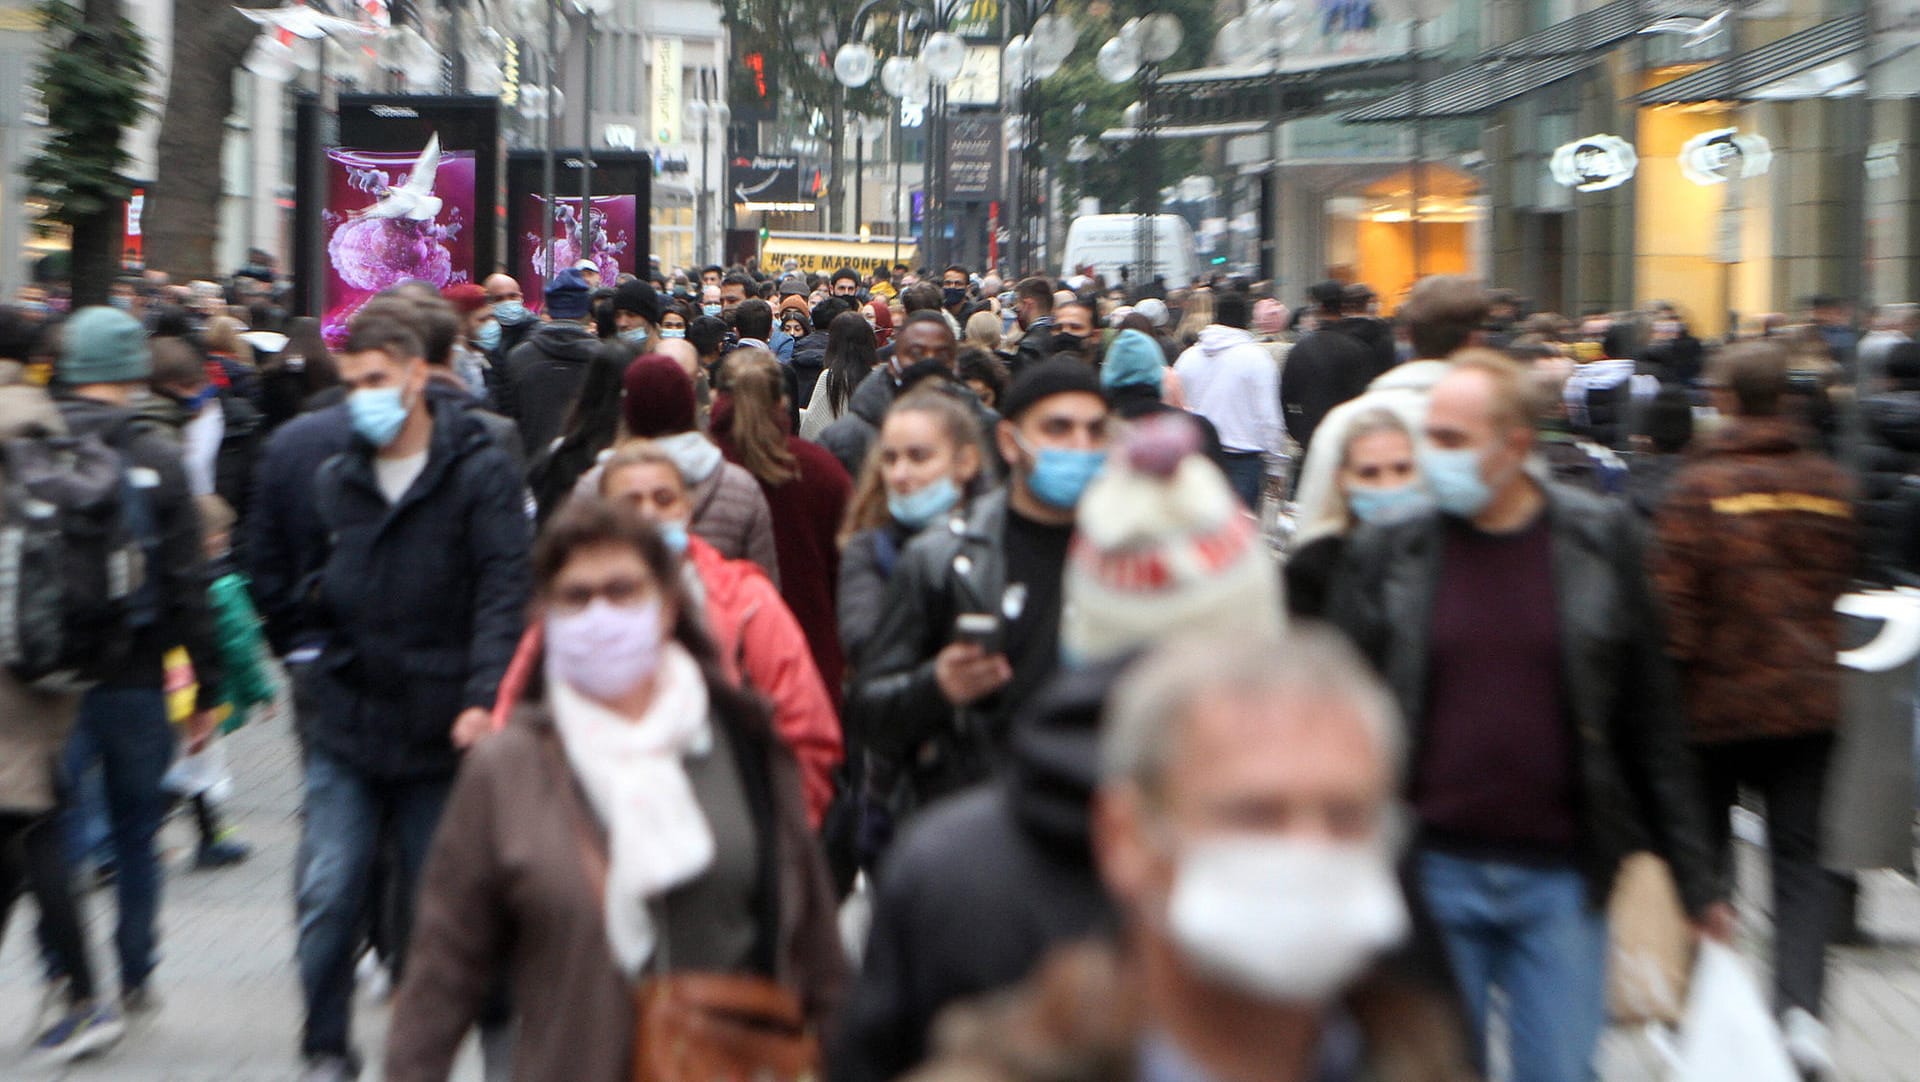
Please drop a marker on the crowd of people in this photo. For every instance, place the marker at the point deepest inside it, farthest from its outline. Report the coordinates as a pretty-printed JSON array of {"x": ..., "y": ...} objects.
[{"x": 1182, "y": 686}]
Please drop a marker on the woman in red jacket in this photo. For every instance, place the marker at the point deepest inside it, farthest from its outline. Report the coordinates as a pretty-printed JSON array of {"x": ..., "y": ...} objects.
[{"x": 806, "y": 488}]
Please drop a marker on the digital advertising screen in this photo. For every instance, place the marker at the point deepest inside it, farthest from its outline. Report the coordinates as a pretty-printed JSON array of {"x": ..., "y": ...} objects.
[{"x": 616, "y": 234}]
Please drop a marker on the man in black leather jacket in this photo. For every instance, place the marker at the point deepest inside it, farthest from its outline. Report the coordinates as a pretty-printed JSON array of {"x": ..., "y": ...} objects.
[{"x": 1518, "y": 629}]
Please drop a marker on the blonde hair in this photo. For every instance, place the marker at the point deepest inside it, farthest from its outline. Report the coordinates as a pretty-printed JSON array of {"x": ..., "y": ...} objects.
[
  {"x": 223, "y": 336},
  {"x": 983, "y": 330},
  {"x": 752, "y": 377},
  {"x": 868, "y": 508},
  {"x": 1197, "y": 315}
]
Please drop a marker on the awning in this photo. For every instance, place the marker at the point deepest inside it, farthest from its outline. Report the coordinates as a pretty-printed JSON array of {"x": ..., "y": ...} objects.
[
  {"x": 825, "y": 254},
  {"x": 1519, "y": 67},
  {"x": 1757, "y": 74}
]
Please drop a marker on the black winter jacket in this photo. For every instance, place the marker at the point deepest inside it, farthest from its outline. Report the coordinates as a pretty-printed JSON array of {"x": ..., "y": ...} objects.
[
  {"x": 809, "y": 360},
  {"x": 1638, "y": 786},
  {"x": 866, "y": 565},
  {"x": 543, "y": 376},
  {"x": 422, "y": 602},
  {"x": 179, "y": 570},
  {"x": 851, "y": 437},
  {"x": 1889, "y": 461},
  {"x": 982, "y": 886},
  {"x": 1324, "y": 369},
  {"x": 894, "y": 708}
]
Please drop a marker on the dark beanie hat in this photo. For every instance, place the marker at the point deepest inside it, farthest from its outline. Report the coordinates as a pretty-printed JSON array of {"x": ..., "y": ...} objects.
[
  {"x": 639, "y": 298},
  {"x": 567, "y": 295},
  {"x": 659, "y": 397},
  {"x": 1044, "y": 380}
]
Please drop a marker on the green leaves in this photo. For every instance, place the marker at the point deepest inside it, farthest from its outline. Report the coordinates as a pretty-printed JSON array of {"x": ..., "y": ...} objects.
[{"x": 93, "y": 82}]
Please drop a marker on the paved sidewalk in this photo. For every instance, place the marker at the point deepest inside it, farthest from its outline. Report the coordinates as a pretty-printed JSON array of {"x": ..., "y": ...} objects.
[{"x": 231, "y": 1008}]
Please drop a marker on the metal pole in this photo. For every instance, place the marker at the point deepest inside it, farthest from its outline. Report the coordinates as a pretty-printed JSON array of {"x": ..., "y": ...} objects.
[
  {"x": 1417, "y": 179},
  {"x": 586, "y": 146},
  {"x": 859, "y": 175},
  {"x": 899, "y": 147},
  {"x": 703, "y": 218},
  {"x": 546, "y": 157}
]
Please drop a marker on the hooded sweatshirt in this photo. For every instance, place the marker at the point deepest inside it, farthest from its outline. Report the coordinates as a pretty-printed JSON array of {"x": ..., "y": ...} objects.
[{"x": 1233, "y": 382}]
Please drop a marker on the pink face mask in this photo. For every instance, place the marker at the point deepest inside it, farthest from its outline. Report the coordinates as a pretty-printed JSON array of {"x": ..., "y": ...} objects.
[{"x": 604, "y": 650}]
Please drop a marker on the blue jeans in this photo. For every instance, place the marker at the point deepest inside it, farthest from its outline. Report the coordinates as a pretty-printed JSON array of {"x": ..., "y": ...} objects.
[
  {"x": 125, "y": 732},
  {"x": 346, "y": 815},
  {"x": 1529, "y": 932},
  {"x": 1246, "y": 474}
]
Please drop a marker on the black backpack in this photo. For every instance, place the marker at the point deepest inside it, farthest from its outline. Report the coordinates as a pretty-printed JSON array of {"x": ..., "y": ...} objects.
[{"x": 77, "y": 534}]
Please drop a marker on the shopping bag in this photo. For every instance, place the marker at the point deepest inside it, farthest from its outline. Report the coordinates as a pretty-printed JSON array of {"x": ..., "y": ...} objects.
[
  {"x": 1650, "y": 944},
  {"x": 203, "y": 773},
  {"x": 1728, "y": 1034},
  {"x": 1866, "y": 819}
]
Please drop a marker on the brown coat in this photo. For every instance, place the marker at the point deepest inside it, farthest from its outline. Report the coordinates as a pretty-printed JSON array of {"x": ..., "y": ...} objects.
[
  {"x": 1080, "y": 1019},
  {"x": 505, "y": 887},
  {"x": 1755, "y": 542}
]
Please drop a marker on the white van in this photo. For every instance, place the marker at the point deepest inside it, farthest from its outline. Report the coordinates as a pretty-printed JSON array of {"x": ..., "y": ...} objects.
[{"x": 1110, "y": 241}]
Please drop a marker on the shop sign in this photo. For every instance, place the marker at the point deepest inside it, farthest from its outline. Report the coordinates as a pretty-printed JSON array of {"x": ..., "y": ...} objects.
[
  {"x": 1715, "y": 157},
  {"x": 1594, "y": 164}
]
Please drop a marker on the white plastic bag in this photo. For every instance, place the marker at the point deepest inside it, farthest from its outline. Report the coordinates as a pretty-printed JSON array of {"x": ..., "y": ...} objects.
[
  {"x": 203, "y": 774},
  {"x": 1728, "y": 1034}
]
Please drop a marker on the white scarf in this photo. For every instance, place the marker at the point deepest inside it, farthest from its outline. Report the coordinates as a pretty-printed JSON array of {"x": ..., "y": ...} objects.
[
  {"x": 694, "y": 453},
  {"x": 657, "y": 836}
]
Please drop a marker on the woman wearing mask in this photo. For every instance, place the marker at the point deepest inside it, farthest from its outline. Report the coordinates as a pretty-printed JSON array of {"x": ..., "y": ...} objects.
[
  {"x": 639, "y": 824},
  {"x": 881, "y": 318},
  {"x": 852, "y": 352},
  {"x": 756, "y": 639},
  {"x": 925, "y": 467},
  {"x": 1378, "y": 480},
  {"x": 806, "y": 490}
]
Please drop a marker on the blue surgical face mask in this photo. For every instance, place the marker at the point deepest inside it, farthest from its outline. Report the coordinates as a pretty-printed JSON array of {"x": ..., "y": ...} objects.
[
  {"x": 915, "y": 509},
  {"x": 1454, "y": 478},
  {"x": 673, "y": 332},
  {"x": 636, "y": 335},
  {"x": 674, "y": 534},
  {"x": 511, "y": 313},
  {"x": 487, "y": 336},
  {"x": 378, "y": 414},
  {"x": 710, "y": 309},
  {"x": 1061, "y": 474},
  {"x": 1387, "y": 502}
]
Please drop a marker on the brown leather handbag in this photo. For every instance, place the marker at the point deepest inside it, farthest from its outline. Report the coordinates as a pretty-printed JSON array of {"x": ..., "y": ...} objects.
[{"x": 705, "y": 1027}]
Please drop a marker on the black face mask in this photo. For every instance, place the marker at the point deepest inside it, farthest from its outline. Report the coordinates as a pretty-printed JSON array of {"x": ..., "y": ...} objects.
[
  {"x": 1062, "y": 342},
  {"x": 954, "y": 295},
  {"x": 918, "y": 372}
]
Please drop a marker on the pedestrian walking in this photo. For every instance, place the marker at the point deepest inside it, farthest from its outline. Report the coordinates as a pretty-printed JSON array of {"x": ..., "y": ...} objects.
[
  {"x": 638, "y": 828},
  {"x": 1756, "y": 542},
  {"x": 1233, "y": 382}
]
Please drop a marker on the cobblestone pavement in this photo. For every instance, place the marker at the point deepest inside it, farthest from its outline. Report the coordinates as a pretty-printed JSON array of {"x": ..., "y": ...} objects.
[{"x": 231, "y": 1006}]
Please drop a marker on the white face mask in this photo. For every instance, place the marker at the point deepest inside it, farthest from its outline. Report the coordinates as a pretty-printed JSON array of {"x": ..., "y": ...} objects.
[{"x": 1283, "y": 918}]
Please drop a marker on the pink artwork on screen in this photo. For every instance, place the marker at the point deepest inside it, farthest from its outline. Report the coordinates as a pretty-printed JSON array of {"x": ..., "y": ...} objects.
[
  {"x": 394, "y": 217},
  {"x": 609, "y": 240}
]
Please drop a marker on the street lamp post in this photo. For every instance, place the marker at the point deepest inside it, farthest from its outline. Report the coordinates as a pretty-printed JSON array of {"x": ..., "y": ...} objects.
[
  {"x": 1266, "y": 31},
  {"x": 1138, "y": 50},
  {"x": 706, "y": 115},
  {"x": 1036, "y": 53}
]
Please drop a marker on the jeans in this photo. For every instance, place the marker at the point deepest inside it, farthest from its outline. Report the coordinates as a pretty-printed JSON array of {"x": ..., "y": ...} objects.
[
  {"x": 1790, "y": 774},
  {"x": 125, "y": 732},
  {"x": 346, "y": 814},
  {"x": 1246, "y": 474},
  {"x": 1529, "y": 932}
]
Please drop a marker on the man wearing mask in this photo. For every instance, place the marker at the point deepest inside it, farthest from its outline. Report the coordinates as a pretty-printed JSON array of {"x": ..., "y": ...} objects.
[
  {"x": 925, "y": 348},
  {"x": 1517, "y": 626},
  {"x": 846, "y": 283},
  {"x": 1244, "y": 826},
  {"x": 953, "y": 294},
  {"x": 543, "y": 374},
  {"x": 1033, "y": 311},
  {"x": 1233, "y": 382},
  {"x": 511, "y": 319},
  {"x": 636, "y": 312},
  {"x": 710, "y": 304},
  {"x": 1073, "y": 334},
  {"x": 971, "y": 627},
  {"x": 421, "y": 596}
]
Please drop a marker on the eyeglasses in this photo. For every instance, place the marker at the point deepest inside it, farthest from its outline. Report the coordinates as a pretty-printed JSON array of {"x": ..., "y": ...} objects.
[{"x": 620, "y": 593}]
